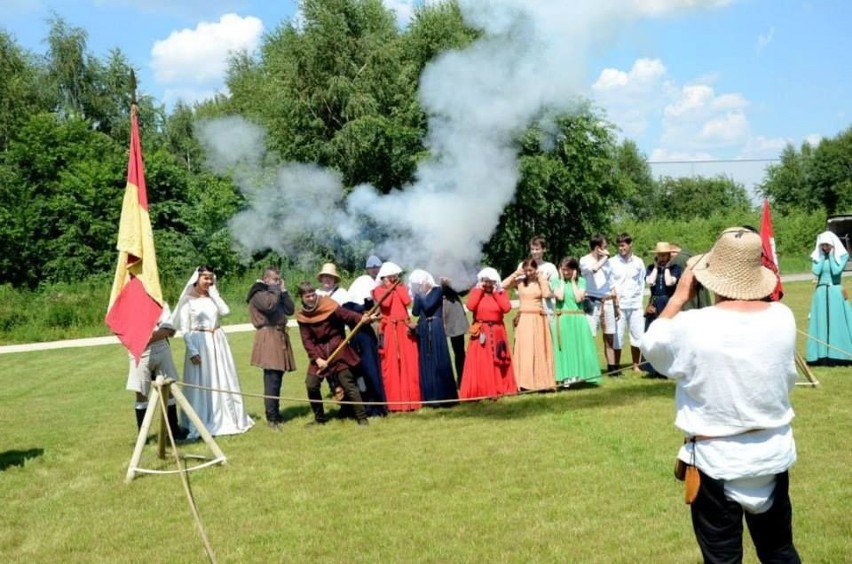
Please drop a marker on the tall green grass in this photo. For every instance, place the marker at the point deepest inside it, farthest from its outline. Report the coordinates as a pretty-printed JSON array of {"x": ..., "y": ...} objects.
[
  {"x": 576, "y": 476},
  {"x": 72, "y": 311}
]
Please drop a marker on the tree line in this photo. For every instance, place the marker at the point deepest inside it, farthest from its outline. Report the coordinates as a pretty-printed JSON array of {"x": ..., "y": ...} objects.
[{"x": 338, "y": 88}]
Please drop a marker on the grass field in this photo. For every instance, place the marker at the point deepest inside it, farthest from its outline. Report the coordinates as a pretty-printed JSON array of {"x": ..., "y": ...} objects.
[{"x": 577, "y": 476}]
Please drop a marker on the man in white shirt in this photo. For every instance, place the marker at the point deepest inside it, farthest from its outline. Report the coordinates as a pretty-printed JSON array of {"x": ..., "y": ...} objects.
[
  {"x": 628, "y": 272},
  {"x": 330, "y": 284},
  {"x": 600, "y": 291},
  {"x": 734, "y": 365}
]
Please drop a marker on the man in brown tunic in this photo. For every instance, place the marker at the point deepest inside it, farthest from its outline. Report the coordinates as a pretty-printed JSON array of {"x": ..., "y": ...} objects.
[
  {"x": 322, "y": 326},
  {"x": 269, "y": 305}
]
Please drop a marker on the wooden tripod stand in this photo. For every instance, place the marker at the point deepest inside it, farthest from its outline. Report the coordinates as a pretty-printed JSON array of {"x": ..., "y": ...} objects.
[{"x": 161, "y": 389}]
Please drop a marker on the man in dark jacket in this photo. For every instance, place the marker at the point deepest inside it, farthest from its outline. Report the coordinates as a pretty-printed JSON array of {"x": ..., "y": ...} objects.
[
  {"x": 269, "y": 305},
  {"x": 322, "y": 326}
]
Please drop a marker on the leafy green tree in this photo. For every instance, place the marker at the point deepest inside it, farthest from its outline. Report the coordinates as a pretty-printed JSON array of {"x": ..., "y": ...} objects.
[
  {"x": 566, "y": 193},
  {"x": 63, "y": 187},
  {"x": 813, "y": 178},
  {"x": 787, "y": 185},
  {"x": 334, "y": 90},
  {"x": 641, "y": 191},
  {"x": 20, "y": 94},
  {"x": 831, "y": 173},
  {"x": 698, "y": 196}
]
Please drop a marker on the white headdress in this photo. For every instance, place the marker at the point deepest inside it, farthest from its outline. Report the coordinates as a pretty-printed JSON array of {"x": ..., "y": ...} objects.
[
  {"x": 388, "y": 269},
  {"x": 491, "y": 274},
  {"x": 362, "y": 289},
  {"x": 838, "y": 248},
  {"x": 418, "y": 280}
]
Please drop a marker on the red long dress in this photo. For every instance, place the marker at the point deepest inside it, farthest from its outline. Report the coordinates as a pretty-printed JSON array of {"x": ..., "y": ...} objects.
[
  {"x": 398, "y": 353},
  {"x": 488, "y": 368}
]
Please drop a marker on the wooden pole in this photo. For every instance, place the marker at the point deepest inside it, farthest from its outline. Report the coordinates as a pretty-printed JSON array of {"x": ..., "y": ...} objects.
[
  {"x": 806, "y": 370},
  {"x": 153, "y": 398},
  {"x": 361, "y": 323},
  {"x": 162, "y": 387}
]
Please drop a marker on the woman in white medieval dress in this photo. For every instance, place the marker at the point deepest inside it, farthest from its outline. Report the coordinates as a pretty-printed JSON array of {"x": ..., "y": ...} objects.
[{"x": 208, "y": 360}]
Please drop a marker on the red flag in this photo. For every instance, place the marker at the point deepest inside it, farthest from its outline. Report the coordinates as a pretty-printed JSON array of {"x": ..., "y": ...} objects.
[
  {"x": 770, "y": 258},
  {"x": 136, "y": 301}
]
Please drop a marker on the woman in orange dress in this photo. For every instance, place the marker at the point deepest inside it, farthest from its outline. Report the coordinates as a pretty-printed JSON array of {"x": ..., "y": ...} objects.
[
  {"x": 532, "y": 355},
  {"x": 397, "y": 347},
  {"x": 488, "y": 368}
]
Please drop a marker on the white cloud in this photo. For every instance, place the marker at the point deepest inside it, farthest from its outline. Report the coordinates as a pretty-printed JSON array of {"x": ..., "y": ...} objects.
[
  {"x": 765, "y": 39},
  {"x": 698, "y": 118},
  {"x": 813, "y": 139},
  {"x": 199, "y": 56},
  {"x": 760, "y": 147},
  {"x": 631, "y": 97}
]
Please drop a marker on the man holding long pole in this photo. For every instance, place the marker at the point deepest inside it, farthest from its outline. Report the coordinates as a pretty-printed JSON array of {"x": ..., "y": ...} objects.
[{"x": 322, "y": 326}]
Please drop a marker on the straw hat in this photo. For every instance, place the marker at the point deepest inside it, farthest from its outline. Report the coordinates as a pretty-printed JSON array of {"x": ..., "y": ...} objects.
[
  {"x": 663, "y": 247},
  {"x": 733, "y": 268},
  {"x": 330, "y": 269}
]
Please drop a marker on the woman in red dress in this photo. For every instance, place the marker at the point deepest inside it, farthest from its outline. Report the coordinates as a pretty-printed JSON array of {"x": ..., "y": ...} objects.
[
  {"x": 488, "y": 364},
  {"x": 398, "y": 347}
]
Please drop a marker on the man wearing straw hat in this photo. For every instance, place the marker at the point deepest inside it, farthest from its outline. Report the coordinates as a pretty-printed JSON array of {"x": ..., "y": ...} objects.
[
  {"x": 734, "y": 367},
  {"x": 330, "y": 284}
]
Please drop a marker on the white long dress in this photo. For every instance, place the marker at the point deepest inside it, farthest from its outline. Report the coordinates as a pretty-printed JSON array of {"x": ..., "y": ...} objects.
[{"x": 221, "y": 412}]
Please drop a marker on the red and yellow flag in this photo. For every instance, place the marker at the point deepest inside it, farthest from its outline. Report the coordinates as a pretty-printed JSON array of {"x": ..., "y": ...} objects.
[
  {"x": 770, "y": 258},
  {"x": 136, "y": 301}
]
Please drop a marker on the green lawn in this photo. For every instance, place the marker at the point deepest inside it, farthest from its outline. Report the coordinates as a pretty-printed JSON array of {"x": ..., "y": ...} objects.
[{"x": 577, "y": 476}]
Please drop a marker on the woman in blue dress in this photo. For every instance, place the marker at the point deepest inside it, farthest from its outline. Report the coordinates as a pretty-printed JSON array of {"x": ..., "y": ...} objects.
[
  {"x": 436, "y": 371},
  {"x": 830, "y": 321}
]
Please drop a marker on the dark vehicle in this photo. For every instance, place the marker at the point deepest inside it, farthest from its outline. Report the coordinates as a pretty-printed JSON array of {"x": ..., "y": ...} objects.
[{"x": 841, "y": 225}]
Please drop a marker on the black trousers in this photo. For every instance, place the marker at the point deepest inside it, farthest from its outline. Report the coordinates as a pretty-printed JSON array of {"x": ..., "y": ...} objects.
[
  {"x": 350, "y": 389},
  {"x": 718, "y": 524},
  {"x": 272, "y": 387},
  {"x": 457, "y": 343}
]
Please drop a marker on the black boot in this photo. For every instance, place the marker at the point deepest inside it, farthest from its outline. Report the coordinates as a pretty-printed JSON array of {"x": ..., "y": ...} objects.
[
  {"x": 179, "y": 433},
  {"x": 316, "y": 406},
  {"x": 140, "y": 416}
]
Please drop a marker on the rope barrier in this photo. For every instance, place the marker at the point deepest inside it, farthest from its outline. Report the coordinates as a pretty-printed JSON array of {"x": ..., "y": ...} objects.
[
  {"x": 408, "y": 402},
  {"x": 824, "y": 343},
  {"x": 332, "y": 401}
]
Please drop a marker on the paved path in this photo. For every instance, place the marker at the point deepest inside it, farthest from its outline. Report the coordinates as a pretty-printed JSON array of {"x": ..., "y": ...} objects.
[{"x": 240, "y": 328}]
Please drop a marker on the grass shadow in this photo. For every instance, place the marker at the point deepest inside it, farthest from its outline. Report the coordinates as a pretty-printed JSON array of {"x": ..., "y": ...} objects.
[
  {"x": 295, "y": 411},
  {"x": 18, "y": 457},
  {"x": 612, "y": 393}
]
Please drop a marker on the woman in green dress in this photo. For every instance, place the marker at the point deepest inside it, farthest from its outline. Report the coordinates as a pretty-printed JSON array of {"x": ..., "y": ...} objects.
[
  {"x": 830, "y": 322},
  {"x": 575, "y": 355}
]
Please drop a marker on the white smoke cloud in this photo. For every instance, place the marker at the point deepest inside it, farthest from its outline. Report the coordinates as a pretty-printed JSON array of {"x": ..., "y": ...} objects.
[
  {"x": 200, "y": 55},
  {"x": 529, "y": 62}
]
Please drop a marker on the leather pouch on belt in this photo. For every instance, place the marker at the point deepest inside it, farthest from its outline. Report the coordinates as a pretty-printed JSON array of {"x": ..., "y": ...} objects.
[{"x": 691, "y": 484}]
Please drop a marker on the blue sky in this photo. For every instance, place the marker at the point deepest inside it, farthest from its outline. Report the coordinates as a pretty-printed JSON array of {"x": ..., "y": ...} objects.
[{"x": 696, "y": 80}]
